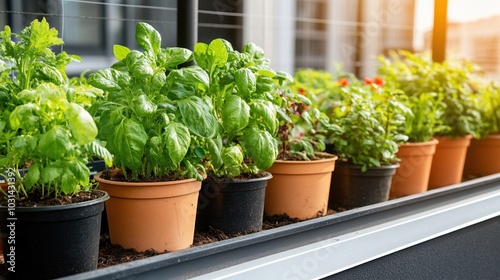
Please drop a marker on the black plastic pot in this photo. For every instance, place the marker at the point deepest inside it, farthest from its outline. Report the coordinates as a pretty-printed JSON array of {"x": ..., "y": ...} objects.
[
  {"x": 232, "y": 206},
  {"x": 352, "y": 188},
  {"x": 51, "y": 241}
]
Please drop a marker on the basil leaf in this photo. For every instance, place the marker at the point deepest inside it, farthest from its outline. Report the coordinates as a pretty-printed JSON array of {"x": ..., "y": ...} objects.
[
  {"x": 260, "y": 146},
  {"x": 129, "y": 141},
  {"x": 235, "y": 114},
  {"x": 177, "y": 139},
  {"x": 197, "y": 117},
  {"x": 245, "y": 81},
  {"x": 81, "y": 124},
  {"x": 139, "y": 65},
  {"x": 147, "y": 38},
  {"x": 54, "y": 143},
  {"x": 109, "y": 79},
  {"x": 120, "y": 52}
]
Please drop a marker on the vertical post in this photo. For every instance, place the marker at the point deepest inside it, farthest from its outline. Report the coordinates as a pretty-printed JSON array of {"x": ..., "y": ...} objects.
[
  {"x": 187, "y": 23},
  {"x": 439, "y": 31},
  {"x": 358, "y": 56}
]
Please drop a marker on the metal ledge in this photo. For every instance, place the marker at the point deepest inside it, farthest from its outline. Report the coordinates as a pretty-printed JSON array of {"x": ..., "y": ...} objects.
[{"x": 325, "y": 246}]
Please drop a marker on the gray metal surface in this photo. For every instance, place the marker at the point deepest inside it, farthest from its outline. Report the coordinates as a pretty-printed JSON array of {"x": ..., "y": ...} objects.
[{"x": 326, "y": 246}]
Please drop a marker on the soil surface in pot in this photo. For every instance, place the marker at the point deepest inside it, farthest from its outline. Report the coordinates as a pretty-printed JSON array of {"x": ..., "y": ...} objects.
[{"x": 110, "y": 254}]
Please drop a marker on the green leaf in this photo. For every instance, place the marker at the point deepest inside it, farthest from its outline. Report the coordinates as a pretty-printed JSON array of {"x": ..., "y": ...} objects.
[
  {"x": 129, "y": 141},
  {"x": 260, "y": 146},
  {"x": 143, "y": 106},
  {"x": 217, "y": 51},
  {"x": 177, "y": 139},
  {"x": 81, "y": 124},
  {"x": 185, "y": 82},
  {"x": 24, "y": 116},
  {"x": 233, "y": 159},
  {"x": 265, "y": 112},
  {"x": 214, "y": 147},
  {"x": 109, "y": 79},
  {"x": 147, "y": 37},
  {"x": 120, "y": 52},
  {"x": 54, "y": 143},
  {"x": 245, "y": 81},
  {"x": 200, "y": 55},
  {"x": 139, "y": 65},
  {"x": 80, "y": 171},
  {"x": 50, "y": 174},
  {"x": 69, "y": 184},
  {"x": 32, "y": 176},
  {"x": 197, "y": 117},
  {"x": 235, "y": 114},
  {"x": 171, "y": 58},
  {"x": 50, "y": 73}
]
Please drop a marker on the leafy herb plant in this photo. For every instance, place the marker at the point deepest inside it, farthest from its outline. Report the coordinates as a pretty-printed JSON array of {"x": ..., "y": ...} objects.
[
  {"x": 242, "y": 89},
  {"x": 450, "y": 82},
  {"x": 44, "y": 129},
  {"x": 155, "y": 117}
]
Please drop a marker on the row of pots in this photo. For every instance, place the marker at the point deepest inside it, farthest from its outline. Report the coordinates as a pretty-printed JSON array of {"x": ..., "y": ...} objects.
[
  {"x": 301, "y": 190},
  {"x": 202, "y": 203}
]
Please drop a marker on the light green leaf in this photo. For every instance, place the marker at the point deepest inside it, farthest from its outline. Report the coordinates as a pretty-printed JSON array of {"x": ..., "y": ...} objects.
[
  {"x": 50, "y": 174},
  {"x": 54, "y": 143},
  {"x": 147, "y": 37},
  {"x": 81, "y": 124},
  {"x": 69, "y": 184},
  {"x": 233, "y": 159},
  {"x": 120, "y": 52}
]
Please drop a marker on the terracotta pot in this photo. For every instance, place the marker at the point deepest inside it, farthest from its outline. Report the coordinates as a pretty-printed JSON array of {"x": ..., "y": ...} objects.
[
  {"x": 448, "y": 161},
  {"x": 299, "y": 189},
  {"x": 151, "y": 215},
  {"x": 483, "y": 157},
  {"x": 352, "y": 188},
  {"x": 413, "y": 173}
]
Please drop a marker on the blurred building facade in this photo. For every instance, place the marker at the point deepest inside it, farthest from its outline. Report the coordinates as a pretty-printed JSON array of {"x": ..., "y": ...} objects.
[
  {"x": 293, "y": 33},
  {"x": 478, "y": 41}
]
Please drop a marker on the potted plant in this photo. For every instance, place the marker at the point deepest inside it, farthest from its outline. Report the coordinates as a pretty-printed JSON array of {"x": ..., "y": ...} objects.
[
  {"x": 47, "y": 140},
  {"x": 421, "y": 125},
  {"x": 241, "y": 89},
  {"x": 369, "y": 115},
  {"x": 302, "y": 171},
  {"x": 485, "y": 148},
  {"x": 154, "y": 128},
  {"x": 461, "y": 118}
]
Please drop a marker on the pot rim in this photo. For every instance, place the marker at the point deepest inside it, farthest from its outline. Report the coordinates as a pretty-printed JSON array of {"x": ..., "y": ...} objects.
[{"x": 61, "y": 207}]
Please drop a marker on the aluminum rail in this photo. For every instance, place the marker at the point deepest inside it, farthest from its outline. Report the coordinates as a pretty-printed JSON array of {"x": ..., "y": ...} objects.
[{"x": 325, "y": 246}]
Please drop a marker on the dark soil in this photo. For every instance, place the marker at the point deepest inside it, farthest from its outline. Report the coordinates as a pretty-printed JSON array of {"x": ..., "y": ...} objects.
[
  {"x": 110, "y": 254},
  {"x": 35, "y": 199}
]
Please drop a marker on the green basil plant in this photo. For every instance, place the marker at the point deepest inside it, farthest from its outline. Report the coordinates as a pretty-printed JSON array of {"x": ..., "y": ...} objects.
[
  {"x": 241, "y": 89},
  {"x": 47, "y": 134},
  {"x": 155, "y": 118}
]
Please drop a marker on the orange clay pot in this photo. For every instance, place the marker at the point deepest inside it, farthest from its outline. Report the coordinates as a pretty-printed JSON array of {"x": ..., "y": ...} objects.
[
  {"x": 448, "y": 161},
  {"x": 413, "y": 173},
  {"x": 299, "y": 189},
  {"x": 151, "y": 215},
  {"x": 483, "y": 157}
]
